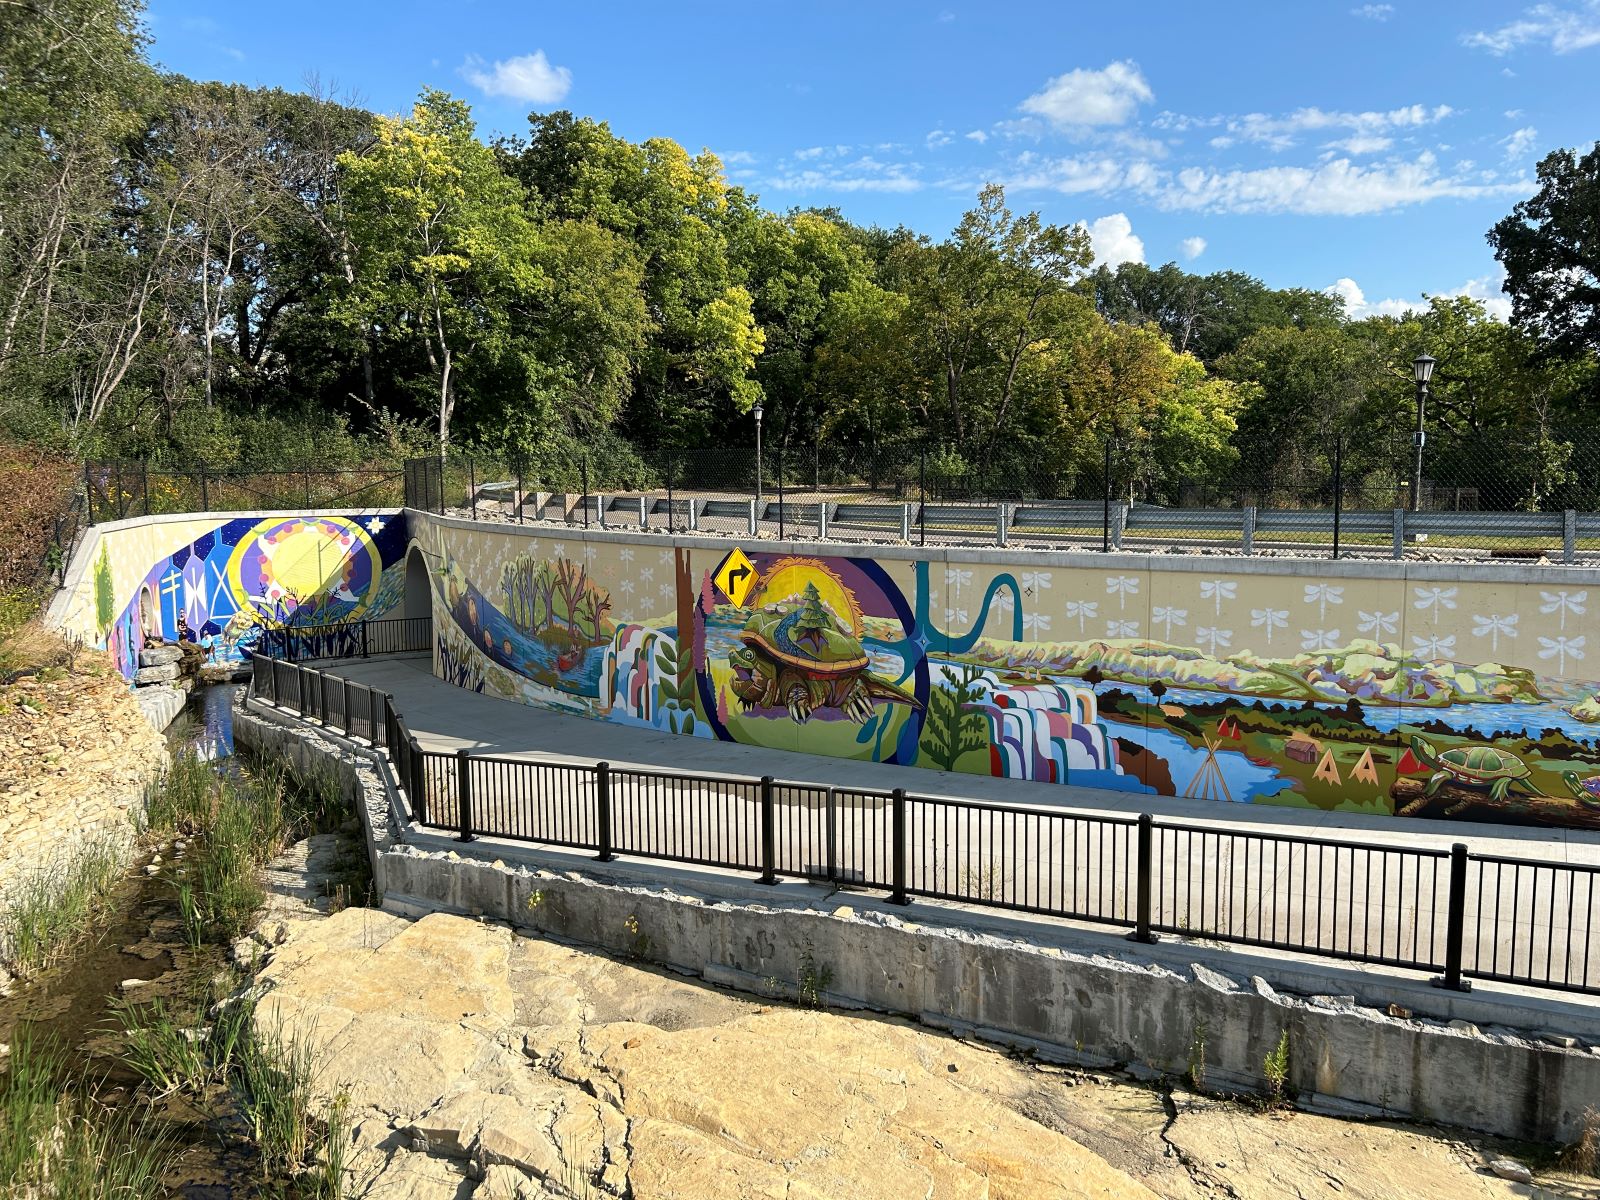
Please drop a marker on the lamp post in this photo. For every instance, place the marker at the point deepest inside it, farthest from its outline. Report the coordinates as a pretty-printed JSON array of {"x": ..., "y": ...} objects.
[
  {"x": 758, "y": 456},
  {"x": 1421, "y": 371}
]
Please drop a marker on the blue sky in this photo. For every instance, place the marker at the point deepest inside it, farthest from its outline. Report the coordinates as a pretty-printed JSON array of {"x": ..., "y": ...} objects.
[{"x": 1364, "y": 146}]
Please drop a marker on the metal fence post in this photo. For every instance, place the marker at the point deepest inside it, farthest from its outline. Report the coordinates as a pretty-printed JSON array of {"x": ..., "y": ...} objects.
[
  {"x": 898, "y": 801},
  {"x": 822, "y": 520},
  {"x": 644, "y": 512},
  {"x": 584, "y": 464},
  {"x": 1338, "y": 490},
  {"x": 1144, "y": 872},
  {"x": 769, "y": 833},
  {"x": 1569, "y": 536},
  {"x": 780, "y": 496},
  {"x": 671, "y": 511},
  {"x": 144, "y": 465},
  {"x": 372, "y": 716},
  {"x": 1000, "y": 523},
  {"x": 1248, "y": 532},
  {"x": 905, "y": 523},
  {"x": 88, "y": 491},
  {"x": 833, "y": 834},
  {"x": 752, "y": 517},
  {"x": 464, "y": 794},
  {"x": 522, "y": 498},
  {"x": 602, "y": 799},
  {"x": 416, "y": 785},
  {"x": 364, "y": 653},
  {"x": 1399, "y": 519},
  {"x": 694, "y": 516},
  {"x": 472, "y": 486},
  {"x": 349, "y": 707},
  {"x": 1105, "y": 530},
  {"x": 1455, "y": 922}
]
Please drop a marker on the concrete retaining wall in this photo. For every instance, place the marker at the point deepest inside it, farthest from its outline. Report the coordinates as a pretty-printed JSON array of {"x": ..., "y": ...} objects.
[{"x": 1160, "y": 1013}]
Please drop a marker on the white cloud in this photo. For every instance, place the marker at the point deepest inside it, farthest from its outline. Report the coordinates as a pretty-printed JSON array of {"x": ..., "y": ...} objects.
[
  {"x": 939, "y": 137},
  {"x": 1373, "y": 12},
  {"x": 1513, "y": 113},
  {"x": 1562, "y": 29},
  {"x": 1084, "y": 98},
  {"x": 528, "y": 77},
  {"x": 1193, "y": 247},
  {"x": 1114, "y": 241},
  {"x": 1075, "y": 174},
  {"x": 1520, "y": 142},
  {"x": 978, "y": 135},
  {"x": 1335, "y": 188},
  {"x": 1279, "y": 132},
  {"x": 1360, "y": 143},
  {"x": 1485, "y": 288},
  {"x": 864, "y": 174},
  {"x": 737, "y": 158},
  {"x": 946, "y": 17}
]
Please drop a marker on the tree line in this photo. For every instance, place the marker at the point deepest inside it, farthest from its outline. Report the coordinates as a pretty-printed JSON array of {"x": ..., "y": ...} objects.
[{"x": 197, "y": 271}]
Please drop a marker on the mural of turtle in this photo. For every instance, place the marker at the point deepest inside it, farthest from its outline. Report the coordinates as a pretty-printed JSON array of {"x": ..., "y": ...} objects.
[
  {"x": 1479, "y": 768},
  {"x": 802, "y": 658},
  {"x": 1587, "y": 791}
]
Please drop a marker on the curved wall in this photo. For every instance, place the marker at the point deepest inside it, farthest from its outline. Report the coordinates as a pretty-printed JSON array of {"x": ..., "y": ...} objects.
[
  {"x": 219, "y": 579},
  {"x": 1417, "y": 689}
]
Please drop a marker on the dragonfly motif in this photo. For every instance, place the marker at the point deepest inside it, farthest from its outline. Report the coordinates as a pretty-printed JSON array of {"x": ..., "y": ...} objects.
[
  {"x": 1122, "y": 629},
  {"x": 1122, "y": 586},
  {"x": 1318, "y": 639},
  {"x": 1168, "y": 617},
  {"x": 1322, "y": 595},
  {"x": 1211, "y": 638},
  {"x": 1564, "y": 603},
  {"x": 1432, "y": 599},
  {"x": 1269, "y": 619},
  {"x": 1377, "y": 623},
  {"x": 1561, "y": 648},
  {"x": 1494, "y": 627},
  {"x": 1218, "y": 590}
]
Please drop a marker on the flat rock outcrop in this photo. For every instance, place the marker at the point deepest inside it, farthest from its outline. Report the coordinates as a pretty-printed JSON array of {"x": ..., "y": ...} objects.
[{"x": 480, "y": 1063}]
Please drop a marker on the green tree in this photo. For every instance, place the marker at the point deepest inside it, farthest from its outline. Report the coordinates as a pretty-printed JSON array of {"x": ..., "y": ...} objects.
[
  {"x": 444, "y": 248},
  {"x": 1550, "y": 249}
]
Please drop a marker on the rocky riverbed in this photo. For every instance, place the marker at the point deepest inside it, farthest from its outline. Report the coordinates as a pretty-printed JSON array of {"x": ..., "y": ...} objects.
[{"x": 482, "y": 1063}]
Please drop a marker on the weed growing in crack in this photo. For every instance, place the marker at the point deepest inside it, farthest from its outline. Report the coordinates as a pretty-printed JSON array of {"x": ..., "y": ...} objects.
[
  {"x": 1275, "y": 1068},
  {"x": 638, "y": 941},
  {"x": 1583, "y": 1155},
  {"x": 815, "y": 979}
]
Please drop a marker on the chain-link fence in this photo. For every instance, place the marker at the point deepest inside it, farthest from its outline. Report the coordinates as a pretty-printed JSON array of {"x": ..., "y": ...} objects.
[
  {"x": 117, "y": 489},
  {"x": 1519, "y": 495}
]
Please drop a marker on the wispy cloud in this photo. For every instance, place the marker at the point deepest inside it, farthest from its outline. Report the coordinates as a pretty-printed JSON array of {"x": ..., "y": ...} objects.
[
  {"x": 939, "y": 137},
  {"x": 1084, "y": 99},
  {"x": 1521, "y": 142},
  {"x": 1373, "y": 12},
  {"x": 1193, "y": 247},
  {"x": 528, "y": 77},
  {"x": 1563, "y": 29},
  {"x": 825, "y": 171},
  {"x": 1335, "y": 188}
]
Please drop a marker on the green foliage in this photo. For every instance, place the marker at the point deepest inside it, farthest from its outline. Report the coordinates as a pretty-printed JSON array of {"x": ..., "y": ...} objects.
[
  {"x": 55, "y": 906},
  {"x": 676, "y": 686},
  {"x": 815, "y": 979},
  {"x": 953, "y": 728},
  {"x": 1275, "y": 1070}
]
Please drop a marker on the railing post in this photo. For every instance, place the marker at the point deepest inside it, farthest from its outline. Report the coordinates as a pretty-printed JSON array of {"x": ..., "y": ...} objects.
[
  {"x": 1248, "y": 533},
  {"x": 752, "y": 516},
  {"x": 1455, "y": 923},
  {"x": 416, "y": 786},
  {"x": 644, "y": 512},
  {"x": 1000, "y": 523},
  {"x": 769, "y": 833},
  {"x": 694, "y": 517},
  {"x": 464, "y": 794},
  {"x": 372, "y": 717},
  {"x": 364, "y": 653},
  {"x": 833, "y": 833},
  {"x": 905, "y": 524},
  {"x": 1399, "y": 523},
  {"x": 1569, "y": 536},
  {"x": 822, "y": 520},
  {"x": 349, "y": 706},
  {"x": 1144, "y": 875},
  {"x": 602, "y": 800},
  {"x": 898, "y": 801}
]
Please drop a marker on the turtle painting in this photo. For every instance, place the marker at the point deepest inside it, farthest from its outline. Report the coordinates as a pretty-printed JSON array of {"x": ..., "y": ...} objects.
[
  {"x": 801, "y": 657},
  {"x": 1586, "y": 790},
  {"x": 1478, "y": 768}
]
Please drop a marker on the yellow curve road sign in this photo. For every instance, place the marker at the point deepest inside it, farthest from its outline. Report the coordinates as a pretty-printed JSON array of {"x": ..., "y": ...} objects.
[{"x": 736, "y": 577}]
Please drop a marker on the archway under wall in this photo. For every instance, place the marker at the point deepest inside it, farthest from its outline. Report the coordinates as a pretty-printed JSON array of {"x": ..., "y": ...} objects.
[{"x": 418, "y": 601}]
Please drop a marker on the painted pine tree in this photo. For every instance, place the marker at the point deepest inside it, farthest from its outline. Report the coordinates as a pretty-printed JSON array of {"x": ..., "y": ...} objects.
[{"x": 953, "y": 728}]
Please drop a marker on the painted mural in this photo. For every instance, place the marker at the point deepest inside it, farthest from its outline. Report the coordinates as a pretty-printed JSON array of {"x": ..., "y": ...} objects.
[
  {"x": 222, "y": 588},
  {"x": 1462, "y": 700}
]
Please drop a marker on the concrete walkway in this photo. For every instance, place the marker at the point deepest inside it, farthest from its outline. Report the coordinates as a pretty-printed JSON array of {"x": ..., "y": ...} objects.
[{"x": 1372, "y": 901}]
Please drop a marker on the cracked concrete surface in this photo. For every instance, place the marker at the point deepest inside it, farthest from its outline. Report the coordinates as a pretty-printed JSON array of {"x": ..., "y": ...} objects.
[{"x": 484, "y": 1064}]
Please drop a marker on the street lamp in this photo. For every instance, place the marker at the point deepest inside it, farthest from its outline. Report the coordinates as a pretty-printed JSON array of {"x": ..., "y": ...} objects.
[
  {"x": 758, "y": 455},
  {"x": 1421, "y": 371}
]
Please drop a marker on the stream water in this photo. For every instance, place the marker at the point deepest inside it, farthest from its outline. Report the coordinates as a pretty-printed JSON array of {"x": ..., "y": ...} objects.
[{"x": 139, "y": 954}]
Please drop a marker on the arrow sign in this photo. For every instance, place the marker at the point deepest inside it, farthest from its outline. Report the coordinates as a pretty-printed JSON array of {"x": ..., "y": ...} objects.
[{"x": 736, "y": 577}]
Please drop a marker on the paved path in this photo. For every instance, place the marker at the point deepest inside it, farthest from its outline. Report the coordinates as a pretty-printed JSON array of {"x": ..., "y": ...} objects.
[{"x": 1239, "y": 871}]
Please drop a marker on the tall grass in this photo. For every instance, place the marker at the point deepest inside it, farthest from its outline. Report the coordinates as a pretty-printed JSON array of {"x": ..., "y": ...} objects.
[
  {"x": 50, "y": 909},
  {"x": 55, "y": 1146},
  {"x": 268, "y": 1074}
]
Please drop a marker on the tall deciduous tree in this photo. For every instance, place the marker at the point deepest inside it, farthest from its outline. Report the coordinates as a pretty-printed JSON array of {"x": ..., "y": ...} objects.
[
  {"x": 444, "y": 245},
  {"x": 1550, "y": 248}
]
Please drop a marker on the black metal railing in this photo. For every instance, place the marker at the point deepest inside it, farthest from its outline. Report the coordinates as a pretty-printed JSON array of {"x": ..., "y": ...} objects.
[
  {"x": 347, "y": 639},
  {"x": 1451, "y": 912}
]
